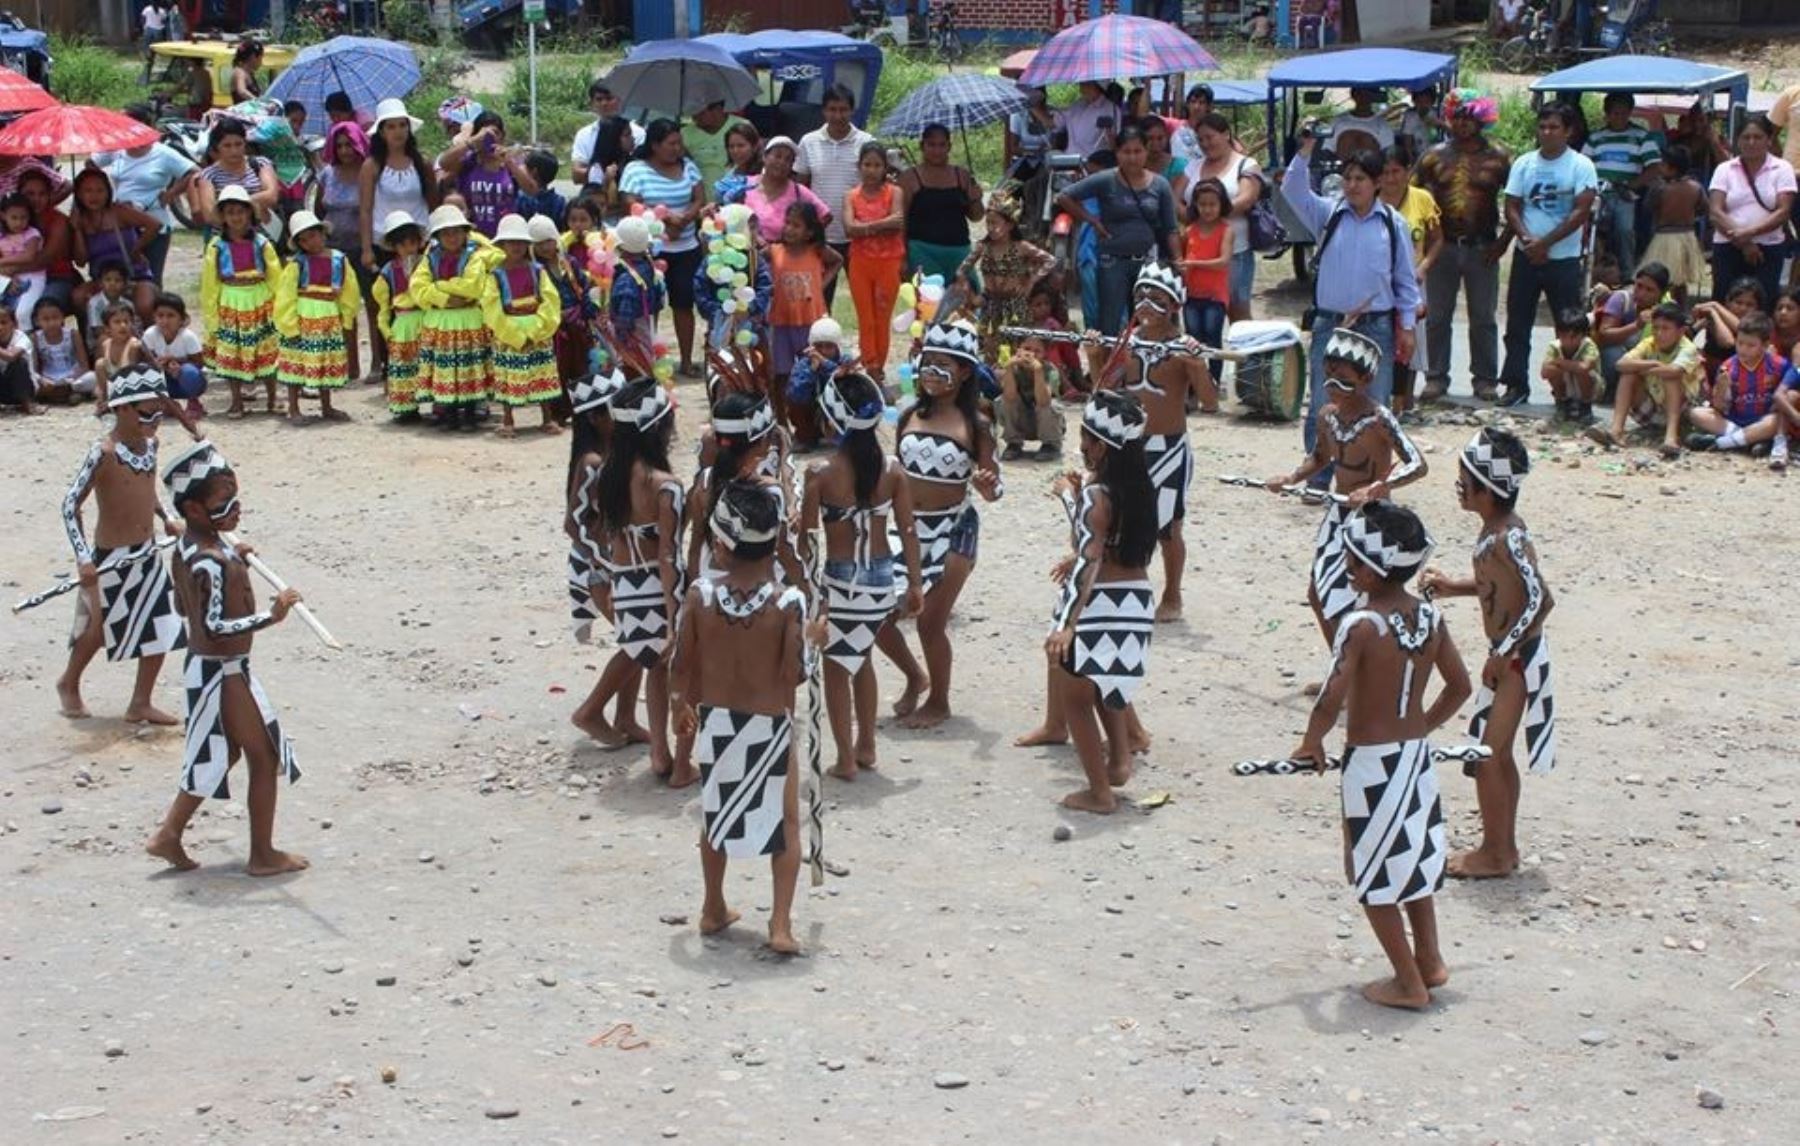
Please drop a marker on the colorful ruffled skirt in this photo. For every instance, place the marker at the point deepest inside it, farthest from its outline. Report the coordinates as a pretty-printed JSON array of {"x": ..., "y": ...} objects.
[
  {"x": 527, "y": 375},
  {"x": 245, "y": 347},
  {"x": 455, "y": 363},
  {"x": 316, "y": 355},
  {"x": 403, "y": 350}
]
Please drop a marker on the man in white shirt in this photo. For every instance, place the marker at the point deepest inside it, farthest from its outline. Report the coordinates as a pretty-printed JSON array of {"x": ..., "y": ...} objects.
[
  {"x": 1091, "y": 120},
  {"x": 1362, "y": 128},
  {"x": 826, "y": 162},
  {"x": 603, "y": 147}
]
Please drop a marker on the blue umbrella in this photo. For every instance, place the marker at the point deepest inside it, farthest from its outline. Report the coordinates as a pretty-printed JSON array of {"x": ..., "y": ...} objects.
[
  {"x": 367, "y": 70},
  {"x": 681, "y": 77},
  {"x": 962, "y": 100}
]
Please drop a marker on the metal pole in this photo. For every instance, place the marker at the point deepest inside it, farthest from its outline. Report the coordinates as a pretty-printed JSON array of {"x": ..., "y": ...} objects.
[{"x": 531, "y": 50}]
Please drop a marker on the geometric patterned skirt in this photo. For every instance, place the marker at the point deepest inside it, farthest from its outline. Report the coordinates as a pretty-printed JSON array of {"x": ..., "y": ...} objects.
[
  {"x": 582, "y": 610},
  {"x": 1532, "y": 658},
  {"x": 1396, "y": 823},
  {"x": 938, "y": 531},
  {"x": 526, "y": 376},
  {"x": 403, "y": 361},
  {"x": 209, "y": 754},
  {"x": 316, "y": 355},
  {"x": 1170, "y": 459},
  {"x": 245, "y": 346},
  {"x": 641, "y": 621},
  {"x": 854, "y": 614},
  {"x": 455, "y": 367},
  {"x": 1112, "y": 639},
  {"x": 743, "y": 760},
  {"x": 137, "y": 604},
  {"x": 1330, "y": 565}
]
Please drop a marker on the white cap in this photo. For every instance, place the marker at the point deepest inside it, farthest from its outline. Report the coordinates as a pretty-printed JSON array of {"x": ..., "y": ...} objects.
[
  {"x": 395, "y": 109},
  {"x": 233, "y": 194},
  {"x": 633, "y": 235},
  {"x": 302, "y": 221},
  {"x": 445, "y": 218},
  {"x": 395, "y": 221},
  {"x": 512, "y": 229},
  {"x": 826, "y": 330},
  {"x": 780, "y": 141},
  {"x": 543, "y": 229}
]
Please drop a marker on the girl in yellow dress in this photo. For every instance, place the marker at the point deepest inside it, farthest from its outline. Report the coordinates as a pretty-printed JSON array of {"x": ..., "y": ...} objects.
[
  {"x": 237, "y": 296},
  {"x": 316, "y": 302},
  {"x": 455, "y": 371},
  {"x": 398, "y": 315},
  {"x": 523, "y": 310}
]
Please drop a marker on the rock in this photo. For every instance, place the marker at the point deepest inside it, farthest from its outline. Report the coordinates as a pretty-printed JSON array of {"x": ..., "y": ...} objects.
[
  {"x": 114, "y": 1048},
  {"x": 671, "y": 1132},
  {"x": 1063, "y": 834},
  {"x": 325, "y": 825},
  {"x": 426, "y": 857},
  {"x": 501, "y": 1110},
  {"x": 1667, "y": 490},
  {"x": 949, "y": 1080},
  {"x": 834, "y": 1065},
  {"x": 1708, "y": 1098},
  {"x": 756, "y": 1058},
  {"x": 1594, "y": 1037},
  {"x": 51, "y": 807},
  {"x": 386, "y": 980},
  {"x": 673, "y": 920},
  {"x": 389, "y": 1074},
  {"x": 332, "y": 966},
  {"x": 466, "y": 959},
  {"x": 1697, "y": 944},
  {"x": 1318, "y": 1116},
  {"x": 547, "y": 977}
]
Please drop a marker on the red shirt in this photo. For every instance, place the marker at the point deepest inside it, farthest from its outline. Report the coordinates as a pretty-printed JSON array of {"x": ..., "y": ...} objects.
[{"x": 1214, "y": 284}]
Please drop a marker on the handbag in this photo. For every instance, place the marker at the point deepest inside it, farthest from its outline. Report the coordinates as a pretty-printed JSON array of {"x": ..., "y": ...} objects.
[{"x": 1265, "y": 230}]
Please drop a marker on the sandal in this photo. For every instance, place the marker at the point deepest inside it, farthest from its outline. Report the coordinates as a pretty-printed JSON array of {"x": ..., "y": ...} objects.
[{"x": 1012, "y": 453}]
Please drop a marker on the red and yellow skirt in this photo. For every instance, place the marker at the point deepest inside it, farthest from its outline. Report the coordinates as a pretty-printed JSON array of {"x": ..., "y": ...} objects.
[
  {"x": 245, "y": 347},
  {"x": 403, "y": 349},
  {"x": 317, "y": 355},
  {"x": 455, "y": 367}
]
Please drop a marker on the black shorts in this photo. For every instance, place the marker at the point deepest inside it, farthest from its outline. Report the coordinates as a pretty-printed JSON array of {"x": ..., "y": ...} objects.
[{"x": 678, "y": 278}]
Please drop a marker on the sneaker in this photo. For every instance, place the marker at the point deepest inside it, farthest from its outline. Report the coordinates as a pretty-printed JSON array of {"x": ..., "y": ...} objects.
[
  {"x": 1484, "y": 393},
  {"x": 1699, "y": 442},
  {"x": 1778, "y": 455},
  {"x": 1434, "y": 392},
  {"x": 1513, "y": 397},
  {"x": 1012, "y": 453}
]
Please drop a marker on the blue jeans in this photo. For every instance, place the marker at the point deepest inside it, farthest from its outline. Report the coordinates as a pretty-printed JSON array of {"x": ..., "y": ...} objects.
[
  {"x": 1243, "y": 278},
  {"x": 877, "y": 574},
  {"x": 1380, "y": 327},
  {"x": 1557, "y": 279},
  {"x": 1115, "y": 276},
  {"x": 186, "y": 382},
  {"x": 1205, "y": 320},
  {"x": 1624, "y": 234}
]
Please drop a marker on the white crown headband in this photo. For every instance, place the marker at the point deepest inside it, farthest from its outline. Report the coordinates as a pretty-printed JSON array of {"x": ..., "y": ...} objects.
[
  {"x": 193, "y": 466},
  {"x": 651, "y": 409},
  {"x": 596, "y": 390},
  {"x": 1359, "y": 350},
  {"x": 754, "y": 426},
  {"x": 1491, "y": 468},
  {"x": 955, "y": 339},
  {"x": 730, "y": 527},
  {"x": 1368, "y": 545},
  {"x": 837, "y": 409},
  {"x": 1111, "y": 424},
  {"x": 1156, "y": 276},
  {"x": 137, "y": 384}
]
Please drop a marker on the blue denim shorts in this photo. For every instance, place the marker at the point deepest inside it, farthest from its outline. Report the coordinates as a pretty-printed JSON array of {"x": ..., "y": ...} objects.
[
  {"x": 965, "y": 538},
  {"x": 877, "y": 574},
  {"x": 1243, "y": 277}
]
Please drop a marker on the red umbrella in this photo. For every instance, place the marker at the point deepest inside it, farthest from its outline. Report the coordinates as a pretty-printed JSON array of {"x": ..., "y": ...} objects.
[
  {"x": 19, "y": 94},
  {"x": 72, "y": 130}
]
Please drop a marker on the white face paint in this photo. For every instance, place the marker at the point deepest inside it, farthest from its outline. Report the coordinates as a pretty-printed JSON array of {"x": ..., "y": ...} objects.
[{"x": 935, "y": 377}]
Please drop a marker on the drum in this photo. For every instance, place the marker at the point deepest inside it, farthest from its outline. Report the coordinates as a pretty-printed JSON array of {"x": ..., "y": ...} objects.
[{"x": 1271, "y": 380}]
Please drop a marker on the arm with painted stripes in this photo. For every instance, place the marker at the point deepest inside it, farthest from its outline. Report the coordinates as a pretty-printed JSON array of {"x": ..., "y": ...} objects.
[
  {"x": 1537, "y": 597},
  {"x": 217, "y": 625},
  {"x": 71, "y": 506}
]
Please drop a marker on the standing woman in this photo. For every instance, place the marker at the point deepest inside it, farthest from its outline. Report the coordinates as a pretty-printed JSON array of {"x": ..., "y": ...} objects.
[
  {"x": 770, "y": 196},
  {"x": 1419, "y": 211},
  {"x": 244, "y": 63},
  {"x": 661, "y": 175},
  {"x": 1751, "y": 198},
  {"x": 395, "y": 177},
  {"x": 230, "y": 164},
  {"x": 1136, "y": 225},
  {"x": 1242, "y": 177},
  {"x": 875, "y": 222},
  {"x": 1162, "y": 160},
  {"x": 338, "y": 201},
  {"x": 942, "y": 199},
  {"x": 946, "y": 450},
  {"x": 490, "y": 175},
  {"x": 743, "y": 151},
  {"x": 106, "y": 231},
  {"x": 150, "y": 178}
]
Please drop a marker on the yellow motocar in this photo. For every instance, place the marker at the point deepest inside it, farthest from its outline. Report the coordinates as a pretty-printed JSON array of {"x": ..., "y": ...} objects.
[{"x": 196, "y": 74}]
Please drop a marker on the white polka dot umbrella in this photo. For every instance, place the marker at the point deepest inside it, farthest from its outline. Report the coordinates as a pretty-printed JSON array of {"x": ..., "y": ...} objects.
[
  {"x": 19, "y": 94},
  {"x": 73, "y": 130}
]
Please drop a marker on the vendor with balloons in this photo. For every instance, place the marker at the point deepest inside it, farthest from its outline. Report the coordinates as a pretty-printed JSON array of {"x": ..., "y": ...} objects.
[{"x": 735, "y": 284}]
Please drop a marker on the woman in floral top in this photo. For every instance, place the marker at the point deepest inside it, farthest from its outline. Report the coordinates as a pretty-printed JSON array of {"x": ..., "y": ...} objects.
[{"x": 1000, "y": 272}]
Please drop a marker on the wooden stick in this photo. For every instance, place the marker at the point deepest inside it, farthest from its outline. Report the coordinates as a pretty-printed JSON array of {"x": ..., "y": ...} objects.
[
  {"x": 71, "y": 583},
  {"x": 1754, "y": 972},
  {"x": 300, "y": 610}
]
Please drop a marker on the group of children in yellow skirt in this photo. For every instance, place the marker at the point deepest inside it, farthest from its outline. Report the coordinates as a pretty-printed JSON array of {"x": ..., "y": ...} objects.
[{"x": 467, "y": 320}]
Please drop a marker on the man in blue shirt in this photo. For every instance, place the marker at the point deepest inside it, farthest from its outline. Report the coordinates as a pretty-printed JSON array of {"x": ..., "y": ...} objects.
[{"x": 1549, "y": 195}]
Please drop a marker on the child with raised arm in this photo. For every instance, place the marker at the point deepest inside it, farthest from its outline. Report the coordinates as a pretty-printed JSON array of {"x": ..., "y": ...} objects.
[
  {"x": 1372, "y": 457},
  {"x": 228, "y": 715},
  {"x": 737, "y": 664},
  {"x": 125, "y": 605},
  {"x": 1515, "y": 680},
  {"x": 1381, "y": 663}
]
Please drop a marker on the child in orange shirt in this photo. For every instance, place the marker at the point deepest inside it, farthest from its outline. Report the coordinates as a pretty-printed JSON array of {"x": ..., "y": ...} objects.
[
  {"x": 802, "y": 264},
  {"x": 1205, "y": 265}
]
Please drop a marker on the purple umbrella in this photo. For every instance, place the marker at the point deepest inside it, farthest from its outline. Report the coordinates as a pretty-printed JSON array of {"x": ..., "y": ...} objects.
[{"x": 1116, "y": 47}]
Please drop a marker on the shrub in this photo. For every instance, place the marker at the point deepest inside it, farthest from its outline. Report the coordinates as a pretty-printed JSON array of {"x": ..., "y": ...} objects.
[{"x": 90, "y": 75}]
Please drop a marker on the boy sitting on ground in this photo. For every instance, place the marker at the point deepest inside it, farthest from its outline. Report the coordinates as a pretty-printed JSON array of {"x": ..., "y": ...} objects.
[
  {"x": 1664, "y": 369},
  {"x": 1741, "y": 410}
]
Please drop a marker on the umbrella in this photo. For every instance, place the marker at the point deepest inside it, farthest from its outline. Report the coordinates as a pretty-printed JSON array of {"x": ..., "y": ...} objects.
[
  {"x": 366, "y": 70},
  {"x": 1115, "y": 47},
  {"x": 681, "y": 76},
  {"x": 69, "y": 129},
  {"x": 19, "y": 94},
  {"x": 1013, "y": 66},
  {"x": 961, "y": 100}
]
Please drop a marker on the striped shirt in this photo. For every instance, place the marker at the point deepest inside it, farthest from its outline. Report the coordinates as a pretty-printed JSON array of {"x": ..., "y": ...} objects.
[
  {"x": 829, "y": 167},
  {"x": 644, "y": 182},
  {"x": 1621, "y": 156}
]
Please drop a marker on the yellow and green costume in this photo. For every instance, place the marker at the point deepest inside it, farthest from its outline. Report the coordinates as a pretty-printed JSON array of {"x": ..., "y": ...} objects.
[
  {"x": 401, "y": 321},
  {"x": 523, "y": 309},
  {"x": 316, "y": 300},
  {"x": 455, "y": 367},
  {"x": 237, "y": 296}
]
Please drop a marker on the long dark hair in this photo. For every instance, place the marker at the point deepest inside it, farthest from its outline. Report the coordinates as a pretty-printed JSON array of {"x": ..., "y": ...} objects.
[
  {"x": 747, "y": 132},
  {"x": 75, "y": 207},
  {"x": 222, "y": 130},
  {"x": 378, "y": 155},
  {"x": 863, "y": 449},
  {"x": 728, "y": 462},
  {"x": 967, "y": 399},
  {"x": 1126, "y": 476},
  {"x": 655, "y": 132},
  {"x": 631, "y": 445}
]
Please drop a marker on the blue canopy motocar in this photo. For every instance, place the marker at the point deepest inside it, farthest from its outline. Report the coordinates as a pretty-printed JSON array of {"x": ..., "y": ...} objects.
[
  {"x": 1653, "y": 75},
  {"x": 795, "y": 68}
]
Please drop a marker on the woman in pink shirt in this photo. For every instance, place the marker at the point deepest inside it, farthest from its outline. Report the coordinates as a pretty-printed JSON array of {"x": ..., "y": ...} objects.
[
  {"x": 771, "y": 195},
  {"x": 1749, "y": 202}
]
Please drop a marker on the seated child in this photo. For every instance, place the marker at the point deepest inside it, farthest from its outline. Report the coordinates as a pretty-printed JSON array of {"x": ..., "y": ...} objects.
[
  {"x": 1028, "y": 383},
  {"x": 113, "y": 279},
  {"x": 62, "y": 375},
  {"x": 1045, "y": 310},
  {"x": 1741, "y": 409},
  {"x": 1717, "y": 322},
  {"x": 1571, "y": 368},
  {"x": 171, "y": 345},
  {"x": 1663, "y": 373},
  {"x": 1787, "y": 419},
  {"x": 1623, "y": 317},
  {"x": 16, "y": 385}
]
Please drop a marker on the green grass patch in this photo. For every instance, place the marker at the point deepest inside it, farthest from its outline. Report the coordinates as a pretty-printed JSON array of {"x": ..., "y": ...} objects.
[{"x": 93, "y": 76}]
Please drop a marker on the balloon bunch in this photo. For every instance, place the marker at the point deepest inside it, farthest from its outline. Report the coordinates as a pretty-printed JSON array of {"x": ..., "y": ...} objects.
[
  {"x": 919, "y": 302},
  {"x": 729, "y": 249},
  {"x": 603, "y": 258}
]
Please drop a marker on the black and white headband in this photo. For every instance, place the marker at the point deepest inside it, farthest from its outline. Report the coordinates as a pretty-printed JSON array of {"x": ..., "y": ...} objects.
[
  {"x": 596, "y": 390},
  {"x": 731, "y": 528},
  {"x": 1354, "y": 347},
  {"x": 650, "y": 409},
  {"x": 1367, "y": 544},
  {"x": 752, "y": 427},
  {"x": 136, "y": 384},
  {"x": 957, "y": 339},
  {"x": 1492, "y": 468},
  {"x": 837, "y": 408},
  {"x": 1157, "y": 277},
  {"x": 1114, "y": 424},
  {"x": 193, "y": 466}
]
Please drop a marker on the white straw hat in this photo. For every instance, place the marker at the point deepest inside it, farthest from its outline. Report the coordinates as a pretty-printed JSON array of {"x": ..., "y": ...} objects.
[
  {"x": 826, "y": 330},
  {"x": 445, "y": 218},
  {"x": 233, "y": 194},
  {"x": 395, "y": 109},
  {"x": 512, "y": 229},
  {"x": 543, "y": 229},
  {"x": 302, "y": 221},
  {"x": 633, "y": 235},
  {"x": 395, "y": 221}
]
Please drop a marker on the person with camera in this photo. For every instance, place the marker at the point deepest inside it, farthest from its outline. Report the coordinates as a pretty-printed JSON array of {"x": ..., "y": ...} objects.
[{"x": 490, "y": 175}]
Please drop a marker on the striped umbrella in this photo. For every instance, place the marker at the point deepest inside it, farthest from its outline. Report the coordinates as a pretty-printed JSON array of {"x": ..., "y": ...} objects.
[
  {"x": 1116, "y": 47},
  {"x": 365, "y": 69},
  {"x": 962, "y": 100}
]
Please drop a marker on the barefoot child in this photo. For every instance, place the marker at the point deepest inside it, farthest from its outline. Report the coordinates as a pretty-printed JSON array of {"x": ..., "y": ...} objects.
[
  {"x": 1372, "y": 457},
  {"x": 237, "y": 299},
  {"x": 1099, "y": 640},
  {"x": 455, "y": 368},
  {"x": 397, "y": 313},
  {"x": 1381, "y": 663},
  {"x": 737, "y": 665},
  {"x": 522, "y": 310},
  {"x": 850, "y": 495},
  {"x": 227, "y": 713},
  {"x": 125, "y": 605},
  {"x": 1661, "y": 373},
  {"x": 61, "y": 375},
  {"x": 590, "y": 590},
  {"x": 1741, "y": 408},
  {"x": 1515, "y": 681},
  {"x": 316, "y": 304},
  {"x": 1572, "y": 368}
]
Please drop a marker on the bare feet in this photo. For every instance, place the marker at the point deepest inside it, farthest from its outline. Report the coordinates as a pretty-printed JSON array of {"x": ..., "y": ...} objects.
[
  {"x": 660, "y": 762},
  {"x": 635, "y": 733},
  {"x": 1435, "y": 974},
  {"x": 1086, "y": 801},
  {"x": 1139, "y": 741},
  {"x": 504, "y": 431},
  {"x": 550, "y": 428},
  {"x": 335, "y": 415},
  {"x": 69, "y": 702},
  {"x": 596, "y": 727},
  {"x": 1041, "y": 735},
  {"x": 712, "y": 924},
  {"x": 684, "y": 776},
  {"x": 1169, "y": 610},
  {"x": 276, "y": 863},
  {"x": 1478, "y": 863},
  {"x": 1119, "y": 775},
  {"x": 865, "y": 759},
  {"x": 909, "y": 697},
  {"x": 929, "y": 715},
  {"x": 167, "y": 847},
  {"x": 843, "y": 770},
  {"x": 1389, "y": 993},
  {"x": 782, "y": 941},
  {"x": 1312, "y": 688},
  {"x": 148, "y": 714}
]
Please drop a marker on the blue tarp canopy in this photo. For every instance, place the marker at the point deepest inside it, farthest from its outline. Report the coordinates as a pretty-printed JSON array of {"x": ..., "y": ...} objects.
[
  {"x": 1364, "y": 67},
  {"x": 808, "y": 58},
  {"x": 24, "y": 39},
  {"x": 1238, "y": 93},
  {"x": 1642, "y": 75}
]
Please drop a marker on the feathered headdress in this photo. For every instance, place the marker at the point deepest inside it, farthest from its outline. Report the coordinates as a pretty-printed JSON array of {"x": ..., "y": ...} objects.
[{"x": 1467, "y": 101}]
